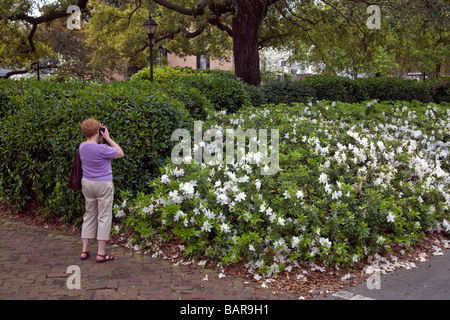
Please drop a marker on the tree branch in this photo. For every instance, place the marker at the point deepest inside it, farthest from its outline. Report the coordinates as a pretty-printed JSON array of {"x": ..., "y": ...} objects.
[
  {"x": 343, "y": 15},
  {"x": 169, "y": 35},
  {"x": 14, "y": 72},
  {"x": 216, "y": 22},
  {"x": 262, "y": 42},
  {"x": 47, "y": 16},
  {"x": 271, "y": 2},
  {"x": 280, "y": 11},
  {"x": 369, "y": 3},
  {"x": 217, "y": 8},
  {"x": 186, "y": 11},
  {"x": 189, "y": 35},
  {"x": 35, "y": 21},
  {"x": 30, "y": 38}
]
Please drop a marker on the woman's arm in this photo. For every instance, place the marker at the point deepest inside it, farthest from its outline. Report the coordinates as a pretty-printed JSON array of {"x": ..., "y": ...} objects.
[{"x": 106, "y": 136}]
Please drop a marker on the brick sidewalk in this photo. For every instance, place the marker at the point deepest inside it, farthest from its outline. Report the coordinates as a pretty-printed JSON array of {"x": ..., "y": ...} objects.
[{"x": 34, "y": 262}]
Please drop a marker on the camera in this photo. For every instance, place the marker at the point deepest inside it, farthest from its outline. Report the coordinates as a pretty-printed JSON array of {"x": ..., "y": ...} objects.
[{"x": 102, "y": 129}]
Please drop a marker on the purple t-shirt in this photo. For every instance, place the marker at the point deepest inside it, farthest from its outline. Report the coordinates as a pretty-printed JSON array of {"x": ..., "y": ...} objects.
[{"x": 96, "y": 161}]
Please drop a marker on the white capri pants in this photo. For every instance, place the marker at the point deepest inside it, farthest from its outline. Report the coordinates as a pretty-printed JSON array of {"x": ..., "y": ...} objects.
[{"x": 97, "y": 219}]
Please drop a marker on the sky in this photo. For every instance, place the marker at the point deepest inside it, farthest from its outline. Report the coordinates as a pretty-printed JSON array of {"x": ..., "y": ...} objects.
[{"x": 38, "y": 4}]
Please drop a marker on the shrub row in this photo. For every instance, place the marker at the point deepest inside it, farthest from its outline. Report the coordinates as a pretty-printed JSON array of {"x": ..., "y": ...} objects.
[
  {"x": 224, "y": 91},
  {"x": 343, "y": 89},
  {"x": 40, "y": 132}
]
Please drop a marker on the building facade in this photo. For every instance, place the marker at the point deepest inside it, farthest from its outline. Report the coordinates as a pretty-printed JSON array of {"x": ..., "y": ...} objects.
[{"x": 199, "y": 62}]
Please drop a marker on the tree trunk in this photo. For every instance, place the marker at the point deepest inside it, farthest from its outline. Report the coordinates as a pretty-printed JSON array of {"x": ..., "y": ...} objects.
[
  {"x": 438, "y": 70},
  {"x": 246, "y": 23}
]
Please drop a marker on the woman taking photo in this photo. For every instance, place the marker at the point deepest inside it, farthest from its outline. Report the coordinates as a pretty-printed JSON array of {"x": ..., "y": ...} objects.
[{"x": 97, "y": 186}]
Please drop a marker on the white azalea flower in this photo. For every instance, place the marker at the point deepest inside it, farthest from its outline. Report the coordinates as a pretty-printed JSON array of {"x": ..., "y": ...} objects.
[
  {"x": 222, "y": 199},
  {"x": 206, "y": 226},
  {"x": 241, "y": 196},
  {"x": 175, "y": 197},
  {"x": 148, "y": 209},
  {"x": 390, "y": 217},
  {"x": 225, "y": 228},
  {"x": 120, "y": 214},
  {"x": 381, "y": 146},
  {"x": 325, "y": 242},
  {"x": 188, "y": 188},
  {"x": 295, "y": 241},
  {"x": 446, "y": 225},
  {"x": 323, "y": 178},
  {"x": 380, "y": 240},
  {"x": 262, "y": 208},
  {"x": 165, "y": 179},
  {"x": 178, "y": 172},
  {"x": 336, "y": 195}
]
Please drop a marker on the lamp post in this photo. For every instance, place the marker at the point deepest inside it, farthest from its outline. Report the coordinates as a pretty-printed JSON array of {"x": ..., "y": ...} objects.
[
  {"x": 150, "y": 27},
  {"x": 37, "y": 69}
]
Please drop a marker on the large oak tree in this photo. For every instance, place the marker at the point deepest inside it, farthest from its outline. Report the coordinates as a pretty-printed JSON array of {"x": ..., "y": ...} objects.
[{"x": 247, "y": 16}]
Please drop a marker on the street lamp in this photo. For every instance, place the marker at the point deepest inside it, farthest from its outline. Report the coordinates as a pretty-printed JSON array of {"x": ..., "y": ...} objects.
[
  {"x": 37, "y": 69},
  {"x": 150, "y": 27}
]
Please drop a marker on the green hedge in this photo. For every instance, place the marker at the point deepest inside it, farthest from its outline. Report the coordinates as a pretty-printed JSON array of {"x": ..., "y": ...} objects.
[
  {"x": 394, "y": 89},
  {"x": 287, "y": 91},
  {"x": 40, "y": 132},
  {"x": 334, "y": 88},
  {"x": 222, "y": 89},
  {"x": 440, "y": 89}
]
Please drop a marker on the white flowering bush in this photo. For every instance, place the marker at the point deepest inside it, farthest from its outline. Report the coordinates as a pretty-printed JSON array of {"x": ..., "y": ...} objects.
[{"x": 354, "y": 179}]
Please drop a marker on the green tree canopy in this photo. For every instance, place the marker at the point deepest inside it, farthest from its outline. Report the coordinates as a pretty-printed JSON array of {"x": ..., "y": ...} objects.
[
  {"x": 413, "y": 36},
  {"x": 333, "y": 35},
  {"x": 22, "y": 32}
]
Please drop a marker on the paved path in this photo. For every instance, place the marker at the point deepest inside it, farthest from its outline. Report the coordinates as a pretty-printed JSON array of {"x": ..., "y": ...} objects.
[
  {"x": 34, "y": 264},
  {"x": 429, "y": 281}
]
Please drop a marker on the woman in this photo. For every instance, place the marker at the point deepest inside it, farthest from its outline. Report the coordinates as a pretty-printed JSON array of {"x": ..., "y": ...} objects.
[{"x": 97, "y": 186}]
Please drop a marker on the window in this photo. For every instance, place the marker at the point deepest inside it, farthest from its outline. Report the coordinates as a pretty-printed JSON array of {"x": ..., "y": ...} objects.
[{"x": 202, "y": 62}]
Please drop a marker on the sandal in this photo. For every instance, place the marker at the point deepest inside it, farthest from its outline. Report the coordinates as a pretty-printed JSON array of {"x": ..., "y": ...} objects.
[
  {"x": 86, "y": 253},
  {"x": 105, "y": 257}
]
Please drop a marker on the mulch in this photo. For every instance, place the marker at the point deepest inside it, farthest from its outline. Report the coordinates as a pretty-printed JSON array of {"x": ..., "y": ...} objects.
[{"x": 304, "y": 280}]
